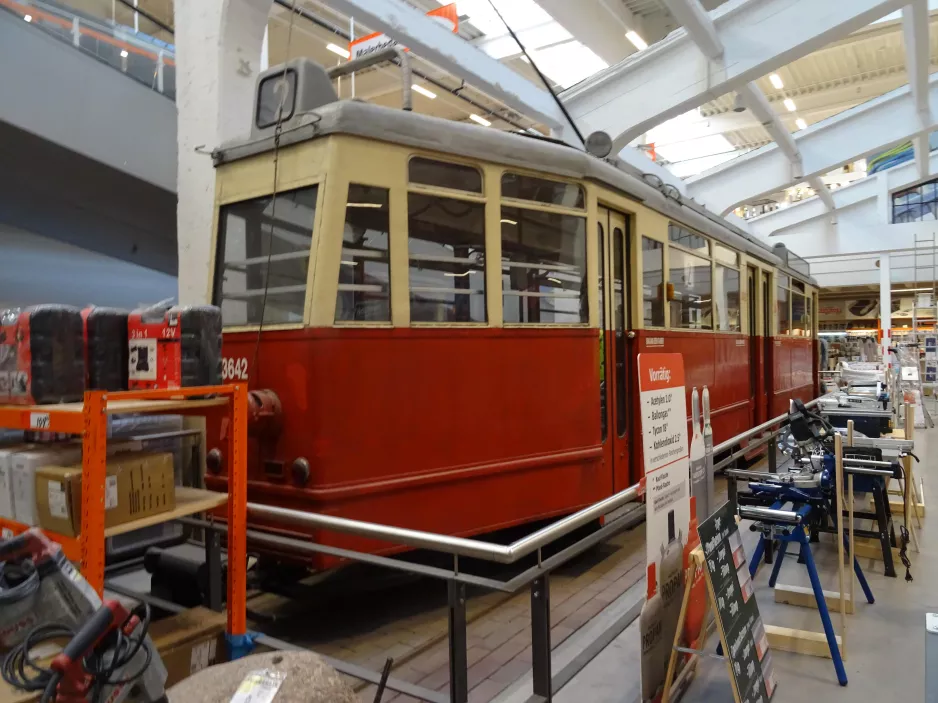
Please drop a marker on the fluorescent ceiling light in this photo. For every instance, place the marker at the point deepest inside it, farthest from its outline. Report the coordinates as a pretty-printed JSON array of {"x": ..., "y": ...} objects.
[
  {"x": 801, "y": 123},
  {"x": 776, "y": 81},
  {"x": 480, "y": 120},
  {"x": 790, "y": 104},
  {"x": 424, "y": 92},
  {"x": 364, "y": 205},
  {"x": 454, "y": 275},
  {"x": 508, "y": 222},
  {"x": 344, "y": 53},
  {"x": 28, "y": 18},
  {"x": 636, "y": 40},
  {"x": 123, "y": 53},
  {"x": 349, "y": 263}
]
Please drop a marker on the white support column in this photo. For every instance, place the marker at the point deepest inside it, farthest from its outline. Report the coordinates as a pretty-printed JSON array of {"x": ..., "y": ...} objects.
[
  {"x": 218, "y": 51},
  {"x": 885, "y": 304},
  {"x": 915, "y": 33},
  {"x": 265, "y": 50}
]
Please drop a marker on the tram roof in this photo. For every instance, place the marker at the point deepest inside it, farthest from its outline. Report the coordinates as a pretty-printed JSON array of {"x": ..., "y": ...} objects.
[{"x": 361, "y": 119}]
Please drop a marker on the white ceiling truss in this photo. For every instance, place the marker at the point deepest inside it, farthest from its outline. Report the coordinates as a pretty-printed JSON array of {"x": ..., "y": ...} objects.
[
  {"x": 875, "y": 125},
  {"x": 675, "y": 75},
  {"x": 700, "y": 27}
]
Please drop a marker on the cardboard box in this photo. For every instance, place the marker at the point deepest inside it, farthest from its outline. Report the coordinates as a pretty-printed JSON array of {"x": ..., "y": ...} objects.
[
  {"x": 25, "y": 464},
  {"x": 137, "y": 485},
  {"x": 6, "y": 478},
  {"x": 189, "y": 642}
]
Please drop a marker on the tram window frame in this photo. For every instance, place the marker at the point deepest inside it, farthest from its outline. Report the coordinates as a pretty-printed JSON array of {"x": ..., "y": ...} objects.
[
  {"x": 706, "y": 307},
  {"x": 365, "y": 197},
  {"x": 517, "y": 179},
  {"x": 512, "y": 216},
  {"x": 443, "y": 166},
  {"x": 782, "y": 285},
  {"x": 733, "y": 313},
  {"x": 649, "y": 319},
  {"x": 478, "y": 204},
  {"x": 298, "y": 310}
]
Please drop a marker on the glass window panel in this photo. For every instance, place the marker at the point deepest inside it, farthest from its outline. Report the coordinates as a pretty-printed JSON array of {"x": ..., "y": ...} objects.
[
  {"x": 725, "y": 255},
  {"x": 726, "y": 297},
  {"x": 930, "y": 191},
  {"x": 445, "y": 175},
  {"x": 541, "y": 190},
  {"x": 264, "y": 249},
  {"x": 783, "y": 312},
  {"x": 653, "y": 282},
  {"x": 690, "y": 294},
  {"x": 601, "y": 242},
  {"x": 797, "y": 285},
  {"x": 799, "y": 315},
  {"x": 446, "y": 245},
  {"x": 364, "y": 293},
  {"x": 543, "y": 267},
  {"x": 809, "y": 317},
  {"x": 618, "y": 282},
  {"x": 782, "y": 280},
  {"x": 271, "y": 96},
  {"x": 929, "y": 212},
  {"x": 689, "y": 240}
]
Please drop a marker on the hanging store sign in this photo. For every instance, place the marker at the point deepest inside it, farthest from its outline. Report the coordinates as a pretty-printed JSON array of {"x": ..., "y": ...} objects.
[
  {"x": 667, "y": 510},
  {"x": 371, "y": 43}
]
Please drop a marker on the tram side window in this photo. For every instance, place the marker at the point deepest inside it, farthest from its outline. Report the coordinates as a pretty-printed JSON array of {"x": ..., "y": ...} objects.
[
  {"x": 688, "y": 240},
  {"x": 441, "y": 174},
  {"x": 653, "y": 282},
  {"x": 543, "y": 267},
  {"x": 364, "y": 293},
  {"x": 799, "y": 315},
  {"x": 691, "y": 301},
  {"x": 446, "y": 245},
  {"x": 542, "y": 190},
  {"x": 263, "y": 258},
  {"x": 726, "y": 299},
  {"x": 783, "y": 311}
]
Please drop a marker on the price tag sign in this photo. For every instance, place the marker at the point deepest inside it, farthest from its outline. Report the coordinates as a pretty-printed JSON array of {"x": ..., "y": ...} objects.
[{"x": 39, "y": 421}]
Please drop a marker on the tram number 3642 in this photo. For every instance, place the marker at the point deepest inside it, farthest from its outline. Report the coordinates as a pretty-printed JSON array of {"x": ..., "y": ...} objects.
[{"x": 233, "y": 369}]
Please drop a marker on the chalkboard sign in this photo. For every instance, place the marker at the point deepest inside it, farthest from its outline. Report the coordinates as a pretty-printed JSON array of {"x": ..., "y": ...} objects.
[{"x": 744, "y": 640}]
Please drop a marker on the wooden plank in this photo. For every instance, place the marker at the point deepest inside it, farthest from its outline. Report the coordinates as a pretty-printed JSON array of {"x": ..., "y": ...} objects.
[
  {"x": 188, "y": 502},
  {"x": 897, "y": 507},
  {"x": 787, "y": 639},
  {"x": 803, "y": 597},
  {"x": 871, "y": 549}
]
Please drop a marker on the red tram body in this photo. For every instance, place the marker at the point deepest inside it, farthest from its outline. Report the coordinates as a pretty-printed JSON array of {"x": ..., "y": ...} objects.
[{"x": 468, "y": 428}]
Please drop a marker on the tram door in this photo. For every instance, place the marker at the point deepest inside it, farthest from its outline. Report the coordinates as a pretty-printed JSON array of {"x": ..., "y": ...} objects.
[
  {"x": 615, "y": 323},
  {"x": 754, "y": 352}
]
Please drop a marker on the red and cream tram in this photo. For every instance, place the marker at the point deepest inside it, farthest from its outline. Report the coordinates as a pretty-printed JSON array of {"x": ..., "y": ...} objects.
[{"x": 452, "y": 314}]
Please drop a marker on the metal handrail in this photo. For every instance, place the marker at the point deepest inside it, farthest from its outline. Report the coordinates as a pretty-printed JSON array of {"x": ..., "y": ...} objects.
[
  {"x": 460, "y": 546},
  {"x": 758, "y": 429}
]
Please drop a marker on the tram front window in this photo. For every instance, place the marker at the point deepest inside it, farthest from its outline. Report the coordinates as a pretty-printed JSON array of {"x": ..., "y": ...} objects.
[{"x": 262, "y": 258}]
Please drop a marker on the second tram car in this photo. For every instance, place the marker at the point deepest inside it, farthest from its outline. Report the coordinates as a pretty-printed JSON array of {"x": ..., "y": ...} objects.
[{"x": 439, "y": 322}]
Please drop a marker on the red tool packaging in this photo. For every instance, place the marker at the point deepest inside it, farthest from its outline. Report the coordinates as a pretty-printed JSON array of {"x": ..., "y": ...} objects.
[
  {"x": 174, "y": 347},
  {"x": 41, "y": 355}
]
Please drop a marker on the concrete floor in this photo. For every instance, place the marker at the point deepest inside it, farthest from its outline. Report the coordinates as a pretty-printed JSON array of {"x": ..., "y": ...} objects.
[{"x": 885, "y": 641}]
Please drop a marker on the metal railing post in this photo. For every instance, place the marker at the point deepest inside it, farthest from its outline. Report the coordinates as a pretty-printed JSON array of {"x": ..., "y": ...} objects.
[
  {"x": 458, "y": 662},
  {"x": 76, "y": 32},
  {"x": 773, "y": 457},
  {"x": 540, "y": 637}
]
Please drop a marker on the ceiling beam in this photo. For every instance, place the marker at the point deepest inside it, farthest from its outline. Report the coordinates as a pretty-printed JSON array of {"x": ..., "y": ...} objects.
[
  {"x": 674, "y": 75},
  {"x": 699, "y": 25},
  {"x": 430, "y": 40},
  {"x": 863, "y": 130},
  {"x": 600, "y": 25},
  {"x": 796, "y": 215},
  {"x": 915, "y": 33}
]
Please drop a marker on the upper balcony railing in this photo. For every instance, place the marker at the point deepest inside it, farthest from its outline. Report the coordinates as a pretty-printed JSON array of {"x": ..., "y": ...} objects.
[{"x": 146, "y": 60}]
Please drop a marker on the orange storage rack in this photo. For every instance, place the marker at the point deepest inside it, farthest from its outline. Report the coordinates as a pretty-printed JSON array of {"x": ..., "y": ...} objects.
[{"x": 89, "y": 420}]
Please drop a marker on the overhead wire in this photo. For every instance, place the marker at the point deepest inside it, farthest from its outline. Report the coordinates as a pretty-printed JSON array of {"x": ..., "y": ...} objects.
[{"x": 278, "y": 130}]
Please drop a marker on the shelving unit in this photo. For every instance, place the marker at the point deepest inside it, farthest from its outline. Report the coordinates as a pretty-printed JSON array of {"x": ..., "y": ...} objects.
[{"x": 89, "y": 420}]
